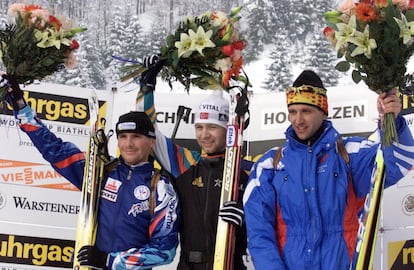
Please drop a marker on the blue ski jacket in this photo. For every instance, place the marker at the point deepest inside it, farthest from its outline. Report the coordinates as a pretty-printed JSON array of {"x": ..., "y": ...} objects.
[
  {"x": 133, "y": 237},
  {"x": 303, "y": 213}
]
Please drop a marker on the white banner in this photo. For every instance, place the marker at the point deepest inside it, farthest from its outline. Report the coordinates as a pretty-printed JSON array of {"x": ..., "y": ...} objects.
[{"x": 38, "y": 207}]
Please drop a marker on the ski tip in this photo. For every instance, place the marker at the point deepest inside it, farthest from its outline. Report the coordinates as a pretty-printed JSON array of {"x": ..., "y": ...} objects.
[
  {"x": 93, "y": 97},
  {"x": 93, "y": 104}
]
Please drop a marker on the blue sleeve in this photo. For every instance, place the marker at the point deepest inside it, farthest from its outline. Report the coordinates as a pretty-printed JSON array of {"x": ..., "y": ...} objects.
[
  {"x": 64, "y": 157},
  {"x": 260, "y": 213},
  {"x": 398, "y": 158},
  {"x": 163, "y": 232},
  {"x": 172, "y": 157}
]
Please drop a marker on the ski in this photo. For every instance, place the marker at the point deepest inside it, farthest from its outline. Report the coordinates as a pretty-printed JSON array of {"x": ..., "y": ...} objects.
[
  {"x": 369, "y": 219},
  {"x": 225, "y": 236},
  {"x": 95, "y": 160}
]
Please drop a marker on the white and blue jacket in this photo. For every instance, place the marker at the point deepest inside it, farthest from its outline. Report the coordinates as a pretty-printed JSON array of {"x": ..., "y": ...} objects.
[
  {"x": 133, "y": 237},
  {"x": 302, "y": 214}
]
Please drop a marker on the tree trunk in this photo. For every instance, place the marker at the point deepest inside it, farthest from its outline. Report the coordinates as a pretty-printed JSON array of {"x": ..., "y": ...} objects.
[{"x": 171, "y": 14}]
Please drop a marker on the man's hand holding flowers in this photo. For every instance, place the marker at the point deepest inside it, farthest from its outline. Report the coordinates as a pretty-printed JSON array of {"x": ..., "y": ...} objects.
[
  {"x": 204, "y": 51},
  {"x": 148, "y": 79},
  {"x": 14, "y": 95}
]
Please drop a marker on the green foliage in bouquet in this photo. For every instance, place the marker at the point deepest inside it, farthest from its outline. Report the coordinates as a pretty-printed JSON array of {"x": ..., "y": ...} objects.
[
  {"x": 375, "y": 37},
  {"x": 204, "y": 51}
]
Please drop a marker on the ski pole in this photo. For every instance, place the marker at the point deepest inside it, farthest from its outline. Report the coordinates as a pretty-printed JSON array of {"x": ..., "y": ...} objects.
[{"x": 182, "y": 113}]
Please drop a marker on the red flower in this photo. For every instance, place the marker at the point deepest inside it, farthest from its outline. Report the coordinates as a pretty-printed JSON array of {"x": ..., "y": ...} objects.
[
  {"x": 74, "y": 45},
  {"x": 227, "y": 50},
  {"x": 329, "y": 34},
  {"x": 239, "y": 45},
  {"x": 411, "y": 4},
  {"x": 328, "y": 31},
  {"x": 54, "y": 22},
  {"x": 30, "y": 8},
  {"x": 365, "y": 12}
]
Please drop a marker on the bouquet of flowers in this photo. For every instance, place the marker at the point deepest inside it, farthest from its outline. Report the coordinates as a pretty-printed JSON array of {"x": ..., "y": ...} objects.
[
  {"x": 35, "y": 44},
  {"x": 204, "y": 51},
  {"x": 376, "y": 37}
]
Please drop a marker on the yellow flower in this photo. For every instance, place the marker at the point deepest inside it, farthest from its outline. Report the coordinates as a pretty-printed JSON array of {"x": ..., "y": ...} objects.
[
  {"x": 364, "y": 44},
  {"x": 184, "y": 46},
  {"x": 406, "y": 28},
  {"x": 201, "y": 39},
  {"x": 345, "y": 31}
]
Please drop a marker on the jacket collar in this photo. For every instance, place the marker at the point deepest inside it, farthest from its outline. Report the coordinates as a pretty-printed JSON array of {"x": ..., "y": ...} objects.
[{"x": 325, "y": 135}]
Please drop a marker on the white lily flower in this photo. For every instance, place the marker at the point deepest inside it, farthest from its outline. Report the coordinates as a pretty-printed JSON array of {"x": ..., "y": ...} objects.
[
  {"x": 201, "y": 39},
  {"x": 406, "y": 29},
  {"x": 51, "y": 38},
  {"x": 345, "y": 31},
  {"x": 184, "y": 46},
  {"x": 364, "y": 44}
]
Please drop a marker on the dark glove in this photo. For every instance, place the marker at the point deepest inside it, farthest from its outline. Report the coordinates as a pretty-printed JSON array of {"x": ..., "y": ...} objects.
[
  {"x": 91, "y": 256},
  {"x": 232, "y": 212},
  {"x": 15, "y": 96},
  {"x": 149, "y": 77}
]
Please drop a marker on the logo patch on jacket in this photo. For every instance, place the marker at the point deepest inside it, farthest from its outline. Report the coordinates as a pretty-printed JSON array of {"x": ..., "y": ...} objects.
[
  {"x": 321, "y": 168},
  {"x": 112, "y": 185},
  {"x": 109, "y": 195},
  {"x": 322, "y": 164},
  {"x": 138, "y": 208},
  {"x": 198, "y": 182},
  {"x": 142, "y": 192},
  {"x": 110, "y": 190},
  {"x": 217, "y": 182}
]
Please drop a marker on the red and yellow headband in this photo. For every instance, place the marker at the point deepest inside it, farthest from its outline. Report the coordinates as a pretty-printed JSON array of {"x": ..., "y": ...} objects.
[{"x": 308, "y": 94}]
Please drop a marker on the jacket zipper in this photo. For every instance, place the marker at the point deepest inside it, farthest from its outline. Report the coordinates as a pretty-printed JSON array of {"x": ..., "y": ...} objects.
[{"x": 310, "y": 199}]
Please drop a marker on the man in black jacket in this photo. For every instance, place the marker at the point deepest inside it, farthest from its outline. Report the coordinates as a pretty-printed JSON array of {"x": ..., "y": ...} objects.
[{"x": 198, "y": 179}]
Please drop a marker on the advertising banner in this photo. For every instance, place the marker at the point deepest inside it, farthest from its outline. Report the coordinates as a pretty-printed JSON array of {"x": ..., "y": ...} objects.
[{"x": 38, "y": 207}]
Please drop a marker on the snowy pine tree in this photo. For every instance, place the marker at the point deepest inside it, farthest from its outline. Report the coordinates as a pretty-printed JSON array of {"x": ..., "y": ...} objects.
[
  {"x": 320, "y": 56},
  {"x": 133, "y": 43},
  {"x": 257, "y": 30},
  {"x": 117, "y": 38},
  {"x": 279, "y": 73},
  {"x": 133, "y": 29}
]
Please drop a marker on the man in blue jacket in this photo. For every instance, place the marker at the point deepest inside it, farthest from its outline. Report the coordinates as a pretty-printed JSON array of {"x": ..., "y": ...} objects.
[
  {"x": 134, "y": 231},
  {"x": 300, "y": 205}
]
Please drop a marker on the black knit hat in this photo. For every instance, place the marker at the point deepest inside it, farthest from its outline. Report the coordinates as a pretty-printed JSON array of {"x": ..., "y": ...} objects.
[
  {"x": 308, "y": 89},
  {"x": 308, "y": 77},
  {"x": 136, "y": 122}
]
